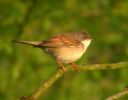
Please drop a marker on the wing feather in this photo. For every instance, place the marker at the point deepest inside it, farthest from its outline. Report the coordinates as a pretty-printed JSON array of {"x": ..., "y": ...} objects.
[{"x": 60, "y": 40}]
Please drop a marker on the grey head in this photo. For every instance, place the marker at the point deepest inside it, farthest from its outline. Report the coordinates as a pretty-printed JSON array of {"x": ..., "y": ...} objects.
[{"x": 81, "y": 36}]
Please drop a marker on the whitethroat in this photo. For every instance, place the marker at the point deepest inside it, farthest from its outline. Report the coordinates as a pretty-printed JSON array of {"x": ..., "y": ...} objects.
[{"x": 65, "y": 48}]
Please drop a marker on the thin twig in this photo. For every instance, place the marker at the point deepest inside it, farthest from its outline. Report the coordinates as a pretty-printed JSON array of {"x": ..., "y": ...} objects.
[
  {"x": 59, "y": 73},
  {"x": 118, "y": 95}
]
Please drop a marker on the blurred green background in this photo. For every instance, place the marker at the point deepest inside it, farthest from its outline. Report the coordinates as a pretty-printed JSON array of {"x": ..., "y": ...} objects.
[{"x": 23, "y": 68}]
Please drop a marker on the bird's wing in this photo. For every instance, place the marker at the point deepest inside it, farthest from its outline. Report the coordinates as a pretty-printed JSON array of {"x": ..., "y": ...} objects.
[{"x": 60, "y": 40}]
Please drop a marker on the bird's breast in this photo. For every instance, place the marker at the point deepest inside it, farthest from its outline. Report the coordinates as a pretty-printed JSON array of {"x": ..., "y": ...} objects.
[{"x": 67, "y": 54}]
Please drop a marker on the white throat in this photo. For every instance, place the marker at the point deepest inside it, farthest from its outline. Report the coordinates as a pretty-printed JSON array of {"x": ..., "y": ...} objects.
[{"x": 86, "y": 44}]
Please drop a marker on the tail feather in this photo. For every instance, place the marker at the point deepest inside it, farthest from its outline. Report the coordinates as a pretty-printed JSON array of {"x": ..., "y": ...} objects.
[{"x": 33, "y": 43}]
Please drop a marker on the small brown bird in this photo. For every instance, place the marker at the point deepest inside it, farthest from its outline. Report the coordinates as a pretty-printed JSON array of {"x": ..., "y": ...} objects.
[{"x": 65, "y": 48}]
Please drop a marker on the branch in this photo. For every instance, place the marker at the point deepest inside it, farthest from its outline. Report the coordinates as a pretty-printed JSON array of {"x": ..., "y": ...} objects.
[
  {"x": 59, "y": 73},
  {"x": 118, "y": 95},
  {"x": 26, "y": 19}
]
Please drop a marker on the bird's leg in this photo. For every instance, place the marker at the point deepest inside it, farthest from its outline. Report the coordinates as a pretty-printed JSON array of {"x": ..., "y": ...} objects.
[
  {"x": 61, "y": 66},
  {"x": 75, "y": 66}
]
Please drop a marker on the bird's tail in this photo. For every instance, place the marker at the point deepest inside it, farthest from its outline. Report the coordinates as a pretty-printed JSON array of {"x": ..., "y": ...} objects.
[{"x": 33, "y": 43}]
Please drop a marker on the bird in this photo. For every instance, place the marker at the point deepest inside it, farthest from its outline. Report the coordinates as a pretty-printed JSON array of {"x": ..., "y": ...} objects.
[{"x": 66, "y": 48}]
